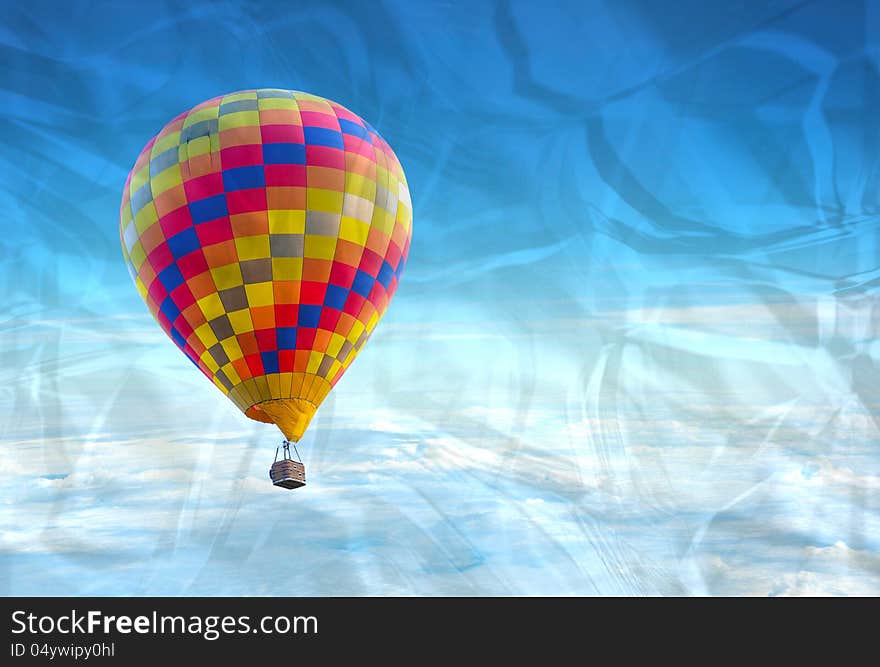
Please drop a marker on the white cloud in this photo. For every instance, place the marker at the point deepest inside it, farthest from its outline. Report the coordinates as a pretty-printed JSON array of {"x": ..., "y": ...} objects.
[
  {"x": 816, "y": 584},
  {"x": 824, "y": 474}
]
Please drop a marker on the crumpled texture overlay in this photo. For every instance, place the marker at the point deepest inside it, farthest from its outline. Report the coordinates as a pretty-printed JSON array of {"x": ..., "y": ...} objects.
[{"x": 634, "y": 351}]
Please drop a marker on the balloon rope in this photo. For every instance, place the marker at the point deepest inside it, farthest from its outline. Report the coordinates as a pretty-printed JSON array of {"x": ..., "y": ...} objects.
[{"x": 286, "y": 446}]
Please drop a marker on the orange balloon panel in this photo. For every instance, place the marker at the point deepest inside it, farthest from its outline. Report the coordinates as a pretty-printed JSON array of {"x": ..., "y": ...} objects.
[{"x": 267, "y": 231}]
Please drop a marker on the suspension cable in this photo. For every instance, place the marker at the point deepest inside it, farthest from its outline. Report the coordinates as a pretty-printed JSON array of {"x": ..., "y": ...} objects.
[{"x": 286, "y": 444}]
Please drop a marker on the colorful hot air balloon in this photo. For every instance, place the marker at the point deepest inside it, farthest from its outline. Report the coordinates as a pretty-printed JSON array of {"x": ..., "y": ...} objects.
[{"x": 267, "y": 230}]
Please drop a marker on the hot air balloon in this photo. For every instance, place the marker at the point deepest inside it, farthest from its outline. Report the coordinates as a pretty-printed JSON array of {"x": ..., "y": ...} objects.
[{"x": 267, "y": 230}]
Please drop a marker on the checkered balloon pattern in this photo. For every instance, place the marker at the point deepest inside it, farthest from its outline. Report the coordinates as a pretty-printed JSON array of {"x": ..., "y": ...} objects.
[{"x": 267, "y": 231}]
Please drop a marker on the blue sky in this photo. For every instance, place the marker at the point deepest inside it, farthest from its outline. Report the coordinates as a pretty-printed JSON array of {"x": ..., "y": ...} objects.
[{"x": 634, "y": 351}]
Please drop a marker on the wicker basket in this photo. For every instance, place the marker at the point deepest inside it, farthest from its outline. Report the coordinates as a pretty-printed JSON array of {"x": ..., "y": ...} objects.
[{"x": 288, "y": 473}]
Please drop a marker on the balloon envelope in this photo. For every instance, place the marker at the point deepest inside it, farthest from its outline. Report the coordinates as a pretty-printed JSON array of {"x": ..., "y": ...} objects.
[{"x": 267, "y": 231}]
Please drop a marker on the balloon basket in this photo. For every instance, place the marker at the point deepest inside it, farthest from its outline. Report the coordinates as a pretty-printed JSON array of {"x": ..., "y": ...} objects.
[{"x": 287, "y": 473}]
